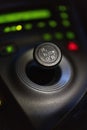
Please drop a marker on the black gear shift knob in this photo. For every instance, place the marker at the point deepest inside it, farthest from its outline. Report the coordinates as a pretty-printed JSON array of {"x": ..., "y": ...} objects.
[{"x": 47, "y": 54}]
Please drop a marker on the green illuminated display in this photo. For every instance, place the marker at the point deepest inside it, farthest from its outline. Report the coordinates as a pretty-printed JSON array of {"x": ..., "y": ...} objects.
[
  {"x": 59, "y": 35},
  {"x": 41, "y": 24},
  {"x": 70, "y": 35},
  {"x": 19, "y": 27},
  {"x": 9, "y": 49},
  {"x": 7, "y": 29},
  {"x": 12, "y": 28},
  {"x": 28, "y": 26},
  {"x": 24, "y": 16},
  {"x": 62, "y": 8},
  {"x": 66, "y": 23},
  {"x": 47, "y": 36},
  {"x": 53, "y": 23},
  {"x": 64, "y": 15}
]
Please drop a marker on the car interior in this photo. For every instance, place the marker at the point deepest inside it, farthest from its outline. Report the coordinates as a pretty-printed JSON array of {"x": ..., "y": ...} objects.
[{"x": 43, "y": 65}]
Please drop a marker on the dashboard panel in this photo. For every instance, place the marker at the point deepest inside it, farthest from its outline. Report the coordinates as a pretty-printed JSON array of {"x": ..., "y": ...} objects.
[{"x": 43, "y": 65}]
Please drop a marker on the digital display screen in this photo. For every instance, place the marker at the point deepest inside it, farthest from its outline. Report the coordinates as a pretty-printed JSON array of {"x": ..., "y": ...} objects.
[{"x": 25, "y": 16}]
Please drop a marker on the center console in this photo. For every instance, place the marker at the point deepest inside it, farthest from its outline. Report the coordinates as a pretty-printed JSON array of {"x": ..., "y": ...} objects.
[{"x": 42, "y": 64}]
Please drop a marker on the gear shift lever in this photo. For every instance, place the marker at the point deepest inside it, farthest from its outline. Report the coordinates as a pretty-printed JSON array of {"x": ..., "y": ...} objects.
[
  {"x": 43, "y": 65},
  {"x": 48, "y": 54}
]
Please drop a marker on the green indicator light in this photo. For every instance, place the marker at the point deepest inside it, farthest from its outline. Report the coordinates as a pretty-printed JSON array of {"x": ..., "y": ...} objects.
[
  {"x": 53, "y": 23},
  {"x": 41, "y": 24},
  {"x": 64, "y": 15},
  {"x": 19, "y": 27},
  {"x": 47, "y": 37},
  {"x": 70, "y": 35},
  {"x": 7, "y": 29},
  {"x": 9, "y": 49},
  {"x": 28, "y": 26},
  {"x": 62, "y": 8},
  {"x": 24, "y": 16},
  {"x": 66, "y": 23},
  {"x": 59, "y": 35},
  {"x": 13, "y": 28}
]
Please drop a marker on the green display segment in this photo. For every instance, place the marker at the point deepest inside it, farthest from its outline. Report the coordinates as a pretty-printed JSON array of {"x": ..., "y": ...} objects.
[
  {"x": 41, "y": 25},
  {"x": 53, "y": 23},
  {"x": 47, "y": 36},
  {"x": 28, "y": 26},
  {"x": 24, "y": 16},
  {"x": 59, "y": 35},
  {"x": 64, "y": 15},
  {"x": 70, "y": 35},
  {"x": 9, "y": 49},
  {"x": 62, "y": 8},
  {"x": 66, "y": 23}
]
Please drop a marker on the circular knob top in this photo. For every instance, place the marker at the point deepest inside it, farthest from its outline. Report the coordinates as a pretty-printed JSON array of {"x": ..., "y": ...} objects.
[{"x": 47, "y": 54}]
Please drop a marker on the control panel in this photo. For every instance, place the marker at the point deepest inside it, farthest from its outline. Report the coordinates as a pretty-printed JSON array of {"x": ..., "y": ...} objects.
[{"x": 42, "y": 63}]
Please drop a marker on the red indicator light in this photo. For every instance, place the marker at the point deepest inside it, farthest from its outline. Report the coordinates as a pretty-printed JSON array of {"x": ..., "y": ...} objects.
[{"x": 72, "y": 46}]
